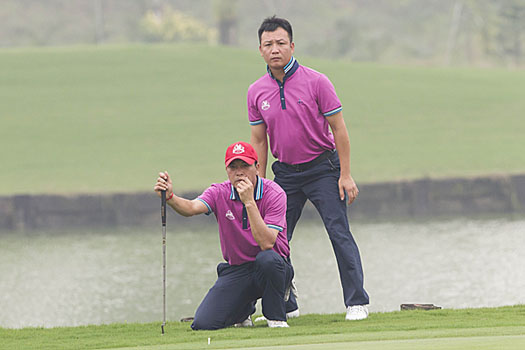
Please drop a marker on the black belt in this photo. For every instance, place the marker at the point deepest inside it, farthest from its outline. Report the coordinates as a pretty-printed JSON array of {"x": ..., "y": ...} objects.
[{"x": 305, "y": 166}]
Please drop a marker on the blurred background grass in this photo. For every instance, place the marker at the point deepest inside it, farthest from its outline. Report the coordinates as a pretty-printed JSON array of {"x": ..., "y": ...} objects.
[{"x": 88, "y": 119}]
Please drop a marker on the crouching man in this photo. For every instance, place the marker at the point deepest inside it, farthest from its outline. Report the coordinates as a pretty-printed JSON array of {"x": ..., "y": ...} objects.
[{"x": 251, "y": 213}]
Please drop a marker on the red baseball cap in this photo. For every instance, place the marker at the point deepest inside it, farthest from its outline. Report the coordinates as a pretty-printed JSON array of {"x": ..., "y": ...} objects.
[{"x": 240, "y": 150}]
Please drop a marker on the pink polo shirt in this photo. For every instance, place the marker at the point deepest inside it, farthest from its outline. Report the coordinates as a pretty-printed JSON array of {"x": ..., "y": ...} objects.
[
  {"x": 295, "y": 112},
  {"x": 237, "y": 244}
]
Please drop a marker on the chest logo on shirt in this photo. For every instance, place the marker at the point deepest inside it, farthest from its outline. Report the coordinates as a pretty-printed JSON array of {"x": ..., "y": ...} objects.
[
  {"x": 230, "y": 215},
  {"x": 265, "y": 105}
]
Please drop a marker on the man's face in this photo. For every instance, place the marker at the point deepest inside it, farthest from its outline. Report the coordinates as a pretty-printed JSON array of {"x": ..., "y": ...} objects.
[
  {"x": 239, "y": 170},
  {"x": 276, "y": 48}
]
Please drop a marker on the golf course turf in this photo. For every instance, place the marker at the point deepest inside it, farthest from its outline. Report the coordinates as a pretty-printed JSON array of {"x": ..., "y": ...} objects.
[{"x": 484, "y": 328}]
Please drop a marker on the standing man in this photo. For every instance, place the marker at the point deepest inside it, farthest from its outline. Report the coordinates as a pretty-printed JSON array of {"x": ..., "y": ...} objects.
[
  {"x": 251, "y": 213},
  {"x": 295, "y": 107}
]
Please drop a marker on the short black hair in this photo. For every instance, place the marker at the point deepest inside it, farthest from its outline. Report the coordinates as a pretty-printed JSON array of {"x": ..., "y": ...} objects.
[{"x": 270, "y": 24}]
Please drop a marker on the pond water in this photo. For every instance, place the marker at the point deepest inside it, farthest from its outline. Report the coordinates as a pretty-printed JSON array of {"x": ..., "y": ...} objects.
[{"x": 81, "y": 277}]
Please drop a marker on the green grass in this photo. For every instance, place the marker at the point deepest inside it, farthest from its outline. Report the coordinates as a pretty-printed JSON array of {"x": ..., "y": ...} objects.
[
  {"x": 107, "y": 119},
  {"x": 501, "y": 328}
]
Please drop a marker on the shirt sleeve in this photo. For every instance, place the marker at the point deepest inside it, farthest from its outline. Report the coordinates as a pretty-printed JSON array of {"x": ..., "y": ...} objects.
[
  {"x": 254, "y": 116},
  {"x": 275, "y": 214},
  {"x": 329, "y": 103},
  {"x": 208, "y": 197}
]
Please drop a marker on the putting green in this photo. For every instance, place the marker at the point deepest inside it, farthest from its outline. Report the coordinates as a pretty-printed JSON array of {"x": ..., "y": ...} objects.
[
  {"x": 508, "y": 342},
  {"x": 478, "y": 343},
  {"x": 485, "y": 328}
]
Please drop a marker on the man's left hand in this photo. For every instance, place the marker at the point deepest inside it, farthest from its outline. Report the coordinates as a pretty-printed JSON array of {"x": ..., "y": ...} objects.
[
  {"x": 348, "y": 184},
  {"x": 245, "y": 190}
]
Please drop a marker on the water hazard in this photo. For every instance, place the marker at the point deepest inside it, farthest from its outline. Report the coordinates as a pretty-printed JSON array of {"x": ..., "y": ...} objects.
[{"x": 84, "y": 277}]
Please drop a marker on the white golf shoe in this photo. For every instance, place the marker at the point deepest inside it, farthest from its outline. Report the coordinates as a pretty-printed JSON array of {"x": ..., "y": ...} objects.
[
  {"x": 277, "y": 324},
  {"x": 292, "y": 314},
  {"x": 356, "y": 312},
  {"x": 246, "y": 323}
]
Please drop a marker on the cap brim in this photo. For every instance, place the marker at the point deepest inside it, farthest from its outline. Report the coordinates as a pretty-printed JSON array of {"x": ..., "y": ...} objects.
[{"x": 248, "y": 160}]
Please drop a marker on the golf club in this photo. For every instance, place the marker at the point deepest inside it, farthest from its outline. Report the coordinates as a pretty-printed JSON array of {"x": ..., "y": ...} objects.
[{"x": 163, "y": 216}]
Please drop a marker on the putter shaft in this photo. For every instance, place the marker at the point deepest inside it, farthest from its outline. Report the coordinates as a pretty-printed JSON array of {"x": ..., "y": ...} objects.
[{"x": 163, "y": 217}]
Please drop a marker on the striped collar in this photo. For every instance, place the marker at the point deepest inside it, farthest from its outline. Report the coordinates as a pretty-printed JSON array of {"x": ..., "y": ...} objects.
[
  {"x": 289, "y": 69},
  {"x": 257, "y": 192}
]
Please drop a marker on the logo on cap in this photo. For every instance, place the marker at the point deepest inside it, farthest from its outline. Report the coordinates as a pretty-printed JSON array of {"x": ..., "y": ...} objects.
[
  {"x": 238, "y": 149},
  {"x": 265, "y": 105}
]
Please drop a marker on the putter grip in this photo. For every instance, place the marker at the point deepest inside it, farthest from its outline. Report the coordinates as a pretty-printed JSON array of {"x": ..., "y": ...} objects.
[{"x": 163, "y": 207}]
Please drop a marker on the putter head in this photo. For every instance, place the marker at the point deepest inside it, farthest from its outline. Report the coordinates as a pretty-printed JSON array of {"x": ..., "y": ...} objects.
[{"x": 162, "y": 328}]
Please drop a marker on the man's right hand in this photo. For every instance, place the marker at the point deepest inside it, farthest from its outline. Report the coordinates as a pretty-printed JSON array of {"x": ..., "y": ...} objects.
[{"x": 164, "y": 184}]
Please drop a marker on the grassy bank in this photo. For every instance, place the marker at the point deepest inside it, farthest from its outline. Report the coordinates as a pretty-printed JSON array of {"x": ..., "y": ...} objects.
[
  {"x": 107, "y": 119},
  {"x": 501, "y": 328}
]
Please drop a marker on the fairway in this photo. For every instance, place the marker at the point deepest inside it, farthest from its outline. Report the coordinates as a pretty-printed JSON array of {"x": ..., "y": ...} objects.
[{"x": 109, "y": 118}]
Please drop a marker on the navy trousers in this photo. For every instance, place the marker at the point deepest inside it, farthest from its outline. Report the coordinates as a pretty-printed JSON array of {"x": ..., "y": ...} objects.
[
  {"x": 319, "y": 184},
  {"x": 238, "y": 287}
]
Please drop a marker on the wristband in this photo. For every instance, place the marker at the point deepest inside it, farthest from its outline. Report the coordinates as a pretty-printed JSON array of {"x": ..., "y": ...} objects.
[{"x": 170, "y": 197}]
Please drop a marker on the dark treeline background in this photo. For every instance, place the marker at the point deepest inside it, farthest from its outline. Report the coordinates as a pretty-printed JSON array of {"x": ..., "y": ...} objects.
[{"x": 438, "y": 32}]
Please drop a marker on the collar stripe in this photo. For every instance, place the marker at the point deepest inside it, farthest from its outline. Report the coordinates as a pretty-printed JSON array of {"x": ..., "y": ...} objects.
[
  {"x": 259, "y": 191},
  {"x": 289, "y": 65},
  {"x": 289, "y": 69}
]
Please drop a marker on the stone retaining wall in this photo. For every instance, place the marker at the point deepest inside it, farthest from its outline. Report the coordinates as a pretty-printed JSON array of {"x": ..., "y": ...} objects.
[{"x": 495, "y": 195}]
